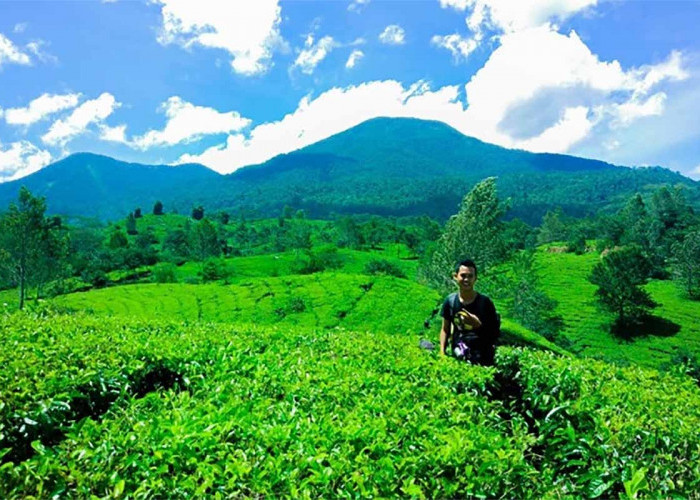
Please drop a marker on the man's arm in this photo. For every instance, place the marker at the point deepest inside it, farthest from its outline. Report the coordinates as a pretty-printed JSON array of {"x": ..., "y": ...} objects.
[{"x": 444, "y": 335}]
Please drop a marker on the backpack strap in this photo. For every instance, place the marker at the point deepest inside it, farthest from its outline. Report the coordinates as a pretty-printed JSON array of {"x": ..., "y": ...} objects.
[{"x": 454, "y": 304}]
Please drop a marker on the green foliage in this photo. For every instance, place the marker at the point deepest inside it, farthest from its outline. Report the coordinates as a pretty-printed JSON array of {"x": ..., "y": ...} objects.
[
  {"x": 206, "y": 410},
  {"x": 382, "y": 266},
  {"x": 198, "y": 212},
  {"x": 529, "y": 304},
  {"x": 32, "y": 247},
  {"x": 164, "y": 272},
  {"x": 686, "y": 263},
  {"x": 619, "y": 277},
  {"x": 325, "y": 258},
  {"x": 475, "y": 232},
  {"x": 118, "y": 240},
  {"x": 213, "y": 270},
  {"x": 203, "y": 241},
  {"x": 131, "y": 224},
  {"x": 158, "y": 208},
  {"x": 554, "y": 227}
]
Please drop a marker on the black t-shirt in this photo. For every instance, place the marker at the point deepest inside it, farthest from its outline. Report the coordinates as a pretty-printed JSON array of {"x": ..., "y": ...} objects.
[{"x": 481, "y": 339}]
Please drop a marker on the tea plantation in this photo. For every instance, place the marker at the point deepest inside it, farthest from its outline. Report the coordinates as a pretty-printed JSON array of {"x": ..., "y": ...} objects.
[{"x": 121, "y": 407}]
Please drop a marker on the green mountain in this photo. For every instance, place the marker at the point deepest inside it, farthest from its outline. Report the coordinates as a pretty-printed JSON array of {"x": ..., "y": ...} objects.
[
  {"x": 90, "y": 185},
  {"x": 386, "y": 166}
]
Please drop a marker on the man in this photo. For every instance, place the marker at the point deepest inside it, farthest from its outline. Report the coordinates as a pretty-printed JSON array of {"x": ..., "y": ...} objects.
[{"x": 469, "y": 319}]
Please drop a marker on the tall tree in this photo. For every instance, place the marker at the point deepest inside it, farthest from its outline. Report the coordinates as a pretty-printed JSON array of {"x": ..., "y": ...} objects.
[
  {"x": 24, "y": 233},
  {"x": 158, "y": 208},
  {"x": 686, "y": 263},
  {"x": 476, "y": 231},
  {"x": 620, "y": 276},
  {"x": 204, "y": 240}
]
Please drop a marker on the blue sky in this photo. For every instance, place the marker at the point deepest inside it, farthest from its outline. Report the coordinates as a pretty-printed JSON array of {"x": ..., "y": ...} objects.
[{"x": 232, "y": 83}]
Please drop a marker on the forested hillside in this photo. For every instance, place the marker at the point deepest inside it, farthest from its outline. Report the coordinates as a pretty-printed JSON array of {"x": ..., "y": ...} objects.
[{"x": 385, "y": 166}]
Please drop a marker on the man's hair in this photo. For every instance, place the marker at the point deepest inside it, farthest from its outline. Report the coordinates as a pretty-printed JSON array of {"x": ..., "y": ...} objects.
[{"x": 466, "y": 263}]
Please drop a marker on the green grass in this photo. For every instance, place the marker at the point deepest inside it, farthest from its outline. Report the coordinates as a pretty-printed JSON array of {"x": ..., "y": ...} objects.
[{"x": 564, "y": 276}]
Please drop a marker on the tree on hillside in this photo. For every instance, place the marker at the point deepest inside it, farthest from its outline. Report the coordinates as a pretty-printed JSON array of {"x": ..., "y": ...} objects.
[
  {"x": 198, "y": 212},
  {"x": 158, "y": 208},
  {"x": 131, "y": 224},
  {"x": 117, "y": 240},
  {"x": 204, "y": 241},
  {"x": 686, "y": 263},
  {"x": 137, "y": 213},
  {"x": 634, "y": 221},
  {"x": 619, "y": 276},
  {"x": 670, "y": 216},
  {"x": 476, "y": 231},
  {"x": 26, "y": 237},
  {"x": 553, "y": 227}
]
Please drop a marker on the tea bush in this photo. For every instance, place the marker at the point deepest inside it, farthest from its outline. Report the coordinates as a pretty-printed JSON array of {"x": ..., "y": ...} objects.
[{"x": 124, "y": 407}]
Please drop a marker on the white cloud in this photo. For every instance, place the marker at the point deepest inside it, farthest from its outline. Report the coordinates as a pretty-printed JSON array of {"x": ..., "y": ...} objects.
[
  {"x": 113, "y": 134},
  {"x": 330, "y": 113},
  {"x": 10, "y": 53},
  {"x": 459, "y": 46},
  {"x": 355, "y": 56},
  {"x": 629, "y": 111},
  {"x": 393, "y": 35},
  {"x": 248, "y": 31},
  {"x": 539, "y": 74},
  {"x": 20, "y": 28},
  {"x": 357, "y": 5},
  {"x": 20, "y": 159},
  {"x": 540, "y": 91},
  {"x": 314, "y": 53},
  {"x": 89, "y": 112},
  {"x": 695, "y": 173},
  {"x": 40, "y": 108},
  {"x": 515, "y": 15},
  {"x": 186, "y": 122}
]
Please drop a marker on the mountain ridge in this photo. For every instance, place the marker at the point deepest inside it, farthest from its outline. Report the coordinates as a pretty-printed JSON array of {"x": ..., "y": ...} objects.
[{"x": 386, "y": 166}]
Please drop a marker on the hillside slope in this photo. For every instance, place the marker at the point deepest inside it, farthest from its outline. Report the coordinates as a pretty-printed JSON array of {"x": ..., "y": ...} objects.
[{"x": 385, "y": 166}]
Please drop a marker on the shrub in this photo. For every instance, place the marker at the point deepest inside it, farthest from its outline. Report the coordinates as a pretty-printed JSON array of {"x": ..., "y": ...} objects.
[
  {"x": 381, "y": 266},
  {"x": 213, "y": 269},
  {"x": 164, "y": 272}
]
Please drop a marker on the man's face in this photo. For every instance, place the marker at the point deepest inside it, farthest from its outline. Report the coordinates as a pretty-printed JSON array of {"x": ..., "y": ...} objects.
[{"x": 465, "y": 277}]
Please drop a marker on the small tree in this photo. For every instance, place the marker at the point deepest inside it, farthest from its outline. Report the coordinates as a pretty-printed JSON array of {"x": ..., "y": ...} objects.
[
  {"x": 686, "y": 263},
  {"x": 619, "y": 277},
  {"x": 131, "y": 224},
  {"x": 137, "y": 213},
  {"x": 158, "y": 208},
  {"x": 198, "y": 212},
  {"x": 26, "y": 237}
]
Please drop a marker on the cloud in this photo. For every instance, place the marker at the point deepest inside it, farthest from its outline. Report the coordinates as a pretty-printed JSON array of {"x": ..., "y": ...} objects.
[
  {"x": 330, "y": 113},
  {"x": 113, "y": 134},
  {"x": 186, "y": 122},
  {"x": 10, "y": 53},
  {"x": 314, "y": 53},
  {"x": 533, "y": 74},
  {"x": 357, "y": 5},
  {"x": 89, "y": 112},
  {"x": 20, "y": 28},
  {"x": 393, "y": 35},
  {"x": 40, "y": 108},
  {"x": 538, "y": 73},
  {"x": 695, "y": 173},
  {"x": 460, "y": 46},
  {"x": 515, "y": 15},
  {"x": 248, "y": 31},
  {"x": 20, "y": 159},
  {"x": 355, "y": 56}
]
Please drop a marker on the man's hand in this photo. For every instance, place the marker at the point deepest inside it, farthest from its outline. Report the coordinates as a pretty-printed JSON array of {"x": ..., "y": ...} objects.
[{"x": 470, "y": 319}]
